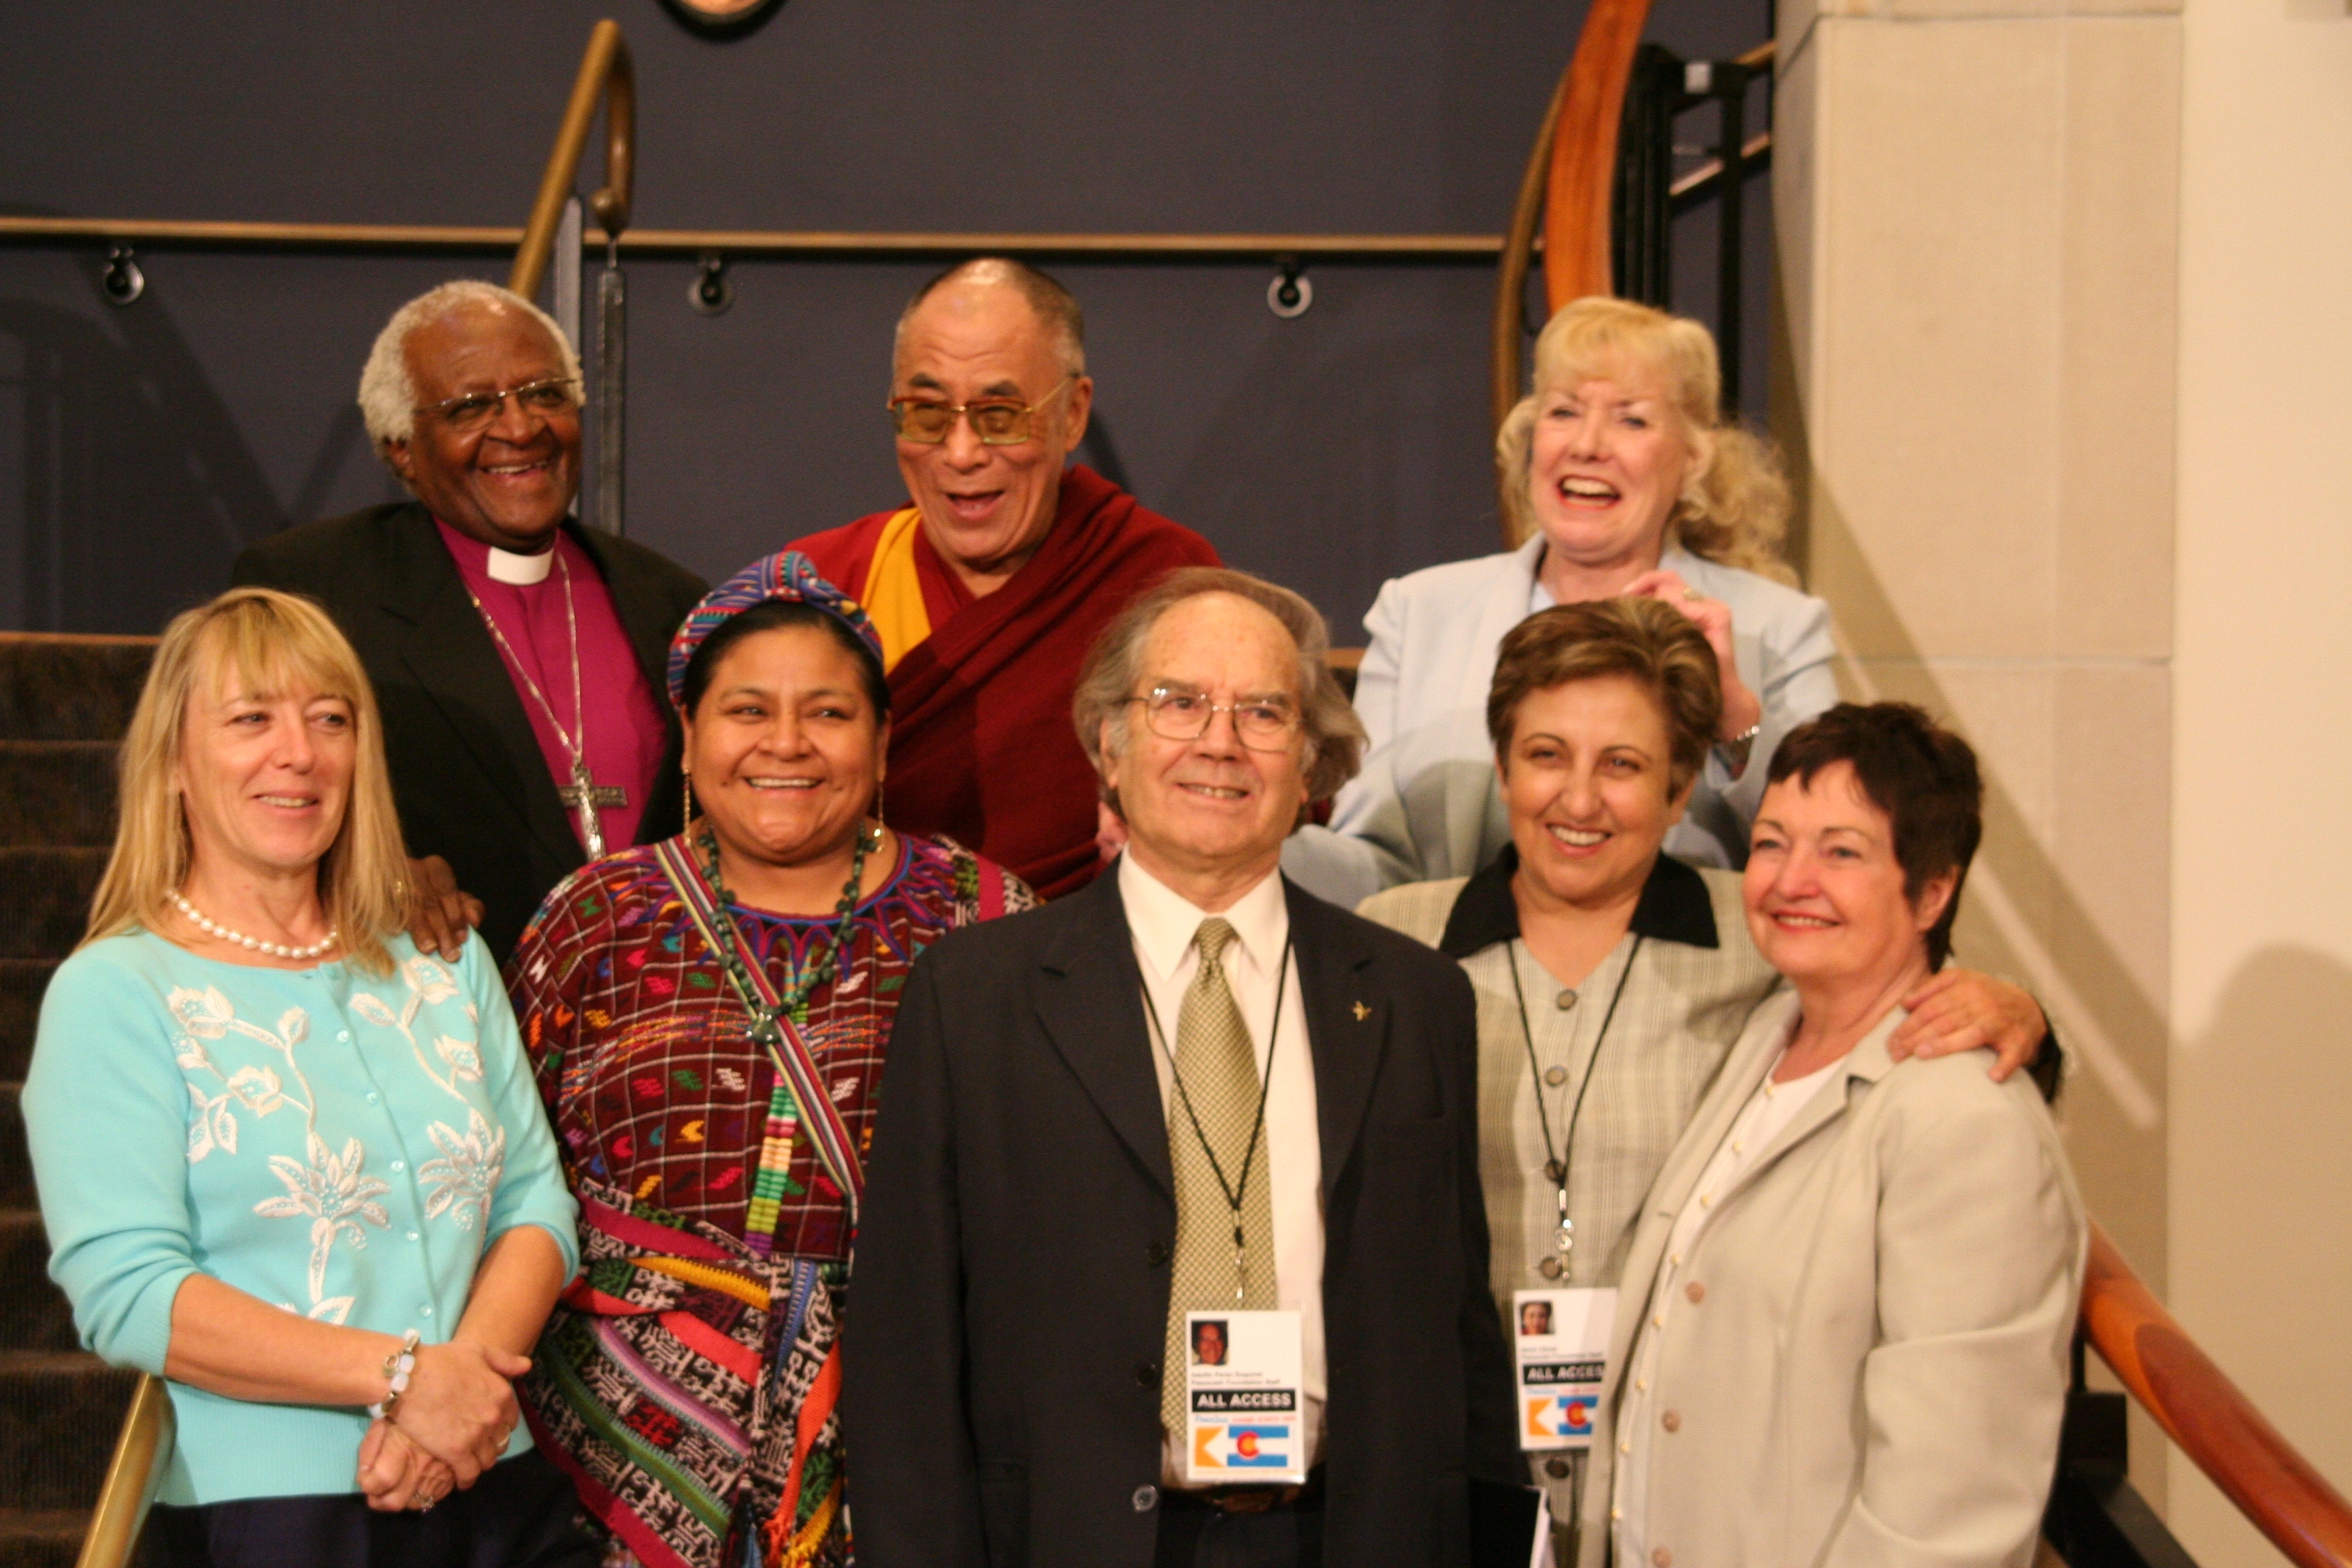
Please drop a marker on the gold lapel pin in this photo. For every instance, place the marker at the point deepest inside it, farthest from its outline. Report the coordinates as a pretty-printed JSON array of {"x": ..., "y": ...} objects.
[{"x": 1362, "y": 1012}]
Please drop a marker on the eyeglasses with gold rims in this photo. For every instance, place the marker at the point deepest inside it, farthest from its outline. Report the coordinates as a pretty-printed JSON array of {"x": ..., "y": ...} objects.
[
  {"x": 995, "y": 421},
  {"x": 473, "y": 410},
  {"x": 1184, "y": 713}
]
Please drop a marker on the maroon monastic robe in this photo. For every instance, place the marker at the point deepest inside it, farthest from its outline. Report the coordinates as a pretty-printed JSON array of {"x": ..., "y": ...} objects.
[{"x": 982, "y": 747}]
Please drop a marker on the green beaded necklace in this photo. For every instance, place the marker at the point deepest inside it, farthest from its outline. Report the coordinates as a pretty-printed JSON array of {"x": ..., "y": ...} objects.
[{"x": 793, "y": 1002}]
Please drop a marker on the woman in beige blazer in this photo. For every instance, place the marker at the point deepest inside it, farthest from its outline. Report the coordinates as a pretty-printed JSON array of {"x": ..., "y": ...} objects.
[
  {"x": 1613, "y": 979},
  {"x": 1860, "y": 1276}
]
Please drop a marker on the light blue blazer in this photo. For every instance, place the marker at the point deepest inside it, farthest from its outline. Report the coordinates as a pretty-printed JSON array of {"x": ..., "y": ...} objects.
[{"x": 1425, "y": 805}]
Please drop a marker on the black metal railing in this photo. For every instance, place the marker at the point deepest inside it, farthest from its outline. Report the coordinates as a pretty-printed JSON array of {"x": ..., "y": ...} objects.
[{"x": 1650, "y": 194}]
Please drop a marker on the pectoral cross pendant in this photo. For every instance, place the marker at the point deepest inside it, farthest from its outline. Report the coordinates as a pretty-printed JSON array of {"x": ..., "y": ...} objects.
[{"x": 585, "y": 797}]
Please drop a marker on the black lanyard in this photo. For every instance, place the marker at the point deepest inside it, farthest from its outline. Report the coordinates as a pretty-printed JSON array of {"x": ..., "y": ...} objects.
[
  {"x": 1556, "y": 1159},
  {"x": 1233, "y": 1190}
]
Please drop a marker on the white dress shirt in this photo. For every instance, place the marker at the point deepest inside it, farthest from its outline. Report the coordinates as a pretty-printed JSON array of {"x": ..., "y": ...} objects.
[
  {"x": 1772, "y": 1108},
  {"x": 1162, "y": 924}
]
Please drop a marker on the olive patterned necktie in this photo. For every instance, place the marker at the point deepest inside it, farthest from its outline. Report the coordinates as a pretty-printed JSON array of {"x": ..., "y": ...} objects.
[{"x": 1216, "y": 1076}]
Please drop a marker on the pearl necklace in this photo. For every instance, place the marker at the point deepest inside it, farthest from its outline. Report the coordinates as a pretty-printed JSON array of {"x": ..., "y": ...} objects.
[{"x": 255, "y": 944}]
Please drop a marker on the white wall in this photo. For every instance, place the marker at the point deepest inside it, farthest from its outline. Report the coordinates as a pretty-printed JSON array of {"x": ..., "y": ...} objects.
[{"x": 2260, "y": 1169}]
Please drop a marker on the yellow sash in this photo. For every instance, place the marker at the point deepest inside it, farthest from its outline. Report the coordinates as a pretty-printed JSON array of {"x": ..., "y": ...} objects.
[{"x": 893, "y": 594}]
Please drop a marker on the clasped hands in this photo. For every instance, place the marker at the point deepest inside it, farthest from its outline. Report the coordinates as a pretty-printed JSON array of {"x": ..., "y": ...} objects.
[{"x": 451, "y": 1426}]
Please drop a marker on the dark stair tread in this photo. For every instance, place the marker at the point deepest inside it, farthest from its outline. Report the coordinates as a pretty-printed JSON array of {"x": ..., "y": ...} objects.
[
  {"x": 60, "y": 687},
  {"x": 49, "y": 902},
  {"x": 58, "y": 792},
  {"x": 42, "y": 1537},
  {"x": 39, "y": 1317},
  {"x": 22, "y": 983},
  {"x": 16, "y": 1158},
  {"x": 64, "y": 1411}
]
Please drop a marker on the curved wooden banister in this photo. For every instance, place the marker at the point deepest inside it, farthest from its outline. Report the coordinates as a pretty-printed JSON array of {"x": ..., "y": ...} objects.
[
  {"x": 2274, "y": 1487},
  {"x": 1570, "y": 179},
  {"x": 1584, "y": 153},
  {"x": 1518, "y": 251},
  {"x": 606, "y": 74}
]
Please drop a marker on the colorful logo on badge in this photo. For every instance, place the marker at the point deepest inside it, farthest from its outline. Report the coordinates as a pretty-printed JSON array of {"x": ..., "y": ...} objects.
[
  {"x": 1559, "y": 1416},
  {"x": 1259, "y": 1446}
]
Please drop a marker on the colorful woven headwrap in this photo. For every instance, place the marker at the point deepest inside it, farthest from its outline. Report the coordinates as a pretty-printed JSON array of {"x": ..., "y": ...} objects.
[{"x": 787, "y": 575}]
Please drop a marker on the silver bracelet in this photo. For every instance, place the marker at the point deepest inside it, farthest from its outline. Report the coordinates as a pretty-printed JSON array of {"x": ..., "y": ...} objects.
[{"x": 398, "y": 1367}]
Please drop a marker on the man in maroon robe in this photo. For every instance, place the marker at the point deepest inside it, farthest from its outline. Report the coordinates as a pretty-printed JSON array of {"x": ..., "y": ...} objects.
[{"x": 990, "y": 587}]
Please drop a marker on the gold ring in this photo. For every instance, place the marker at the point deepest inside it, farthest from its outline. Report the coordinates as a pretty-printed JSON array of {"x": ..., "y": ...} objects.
[{"x": 1693, "y": 595}]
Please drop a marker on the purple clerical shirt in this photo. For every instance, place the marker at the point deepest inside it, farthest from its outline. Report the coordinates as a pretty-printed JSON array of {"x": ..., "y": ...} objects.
[{"x": 624, "y": 718}]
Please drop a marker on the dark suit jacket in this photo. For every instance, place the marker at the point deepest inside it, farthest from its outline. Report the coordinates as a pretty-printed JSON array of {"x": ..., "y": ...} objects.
[
  {"x": 1001, "y": 1349},
  {"x": 466, "y": 772}
]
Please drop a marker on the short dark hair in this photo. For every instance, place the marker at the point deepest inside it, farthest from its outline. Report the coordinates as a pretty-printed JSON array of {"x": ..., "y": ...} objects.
[
  {"x": 775, "y": 614},
  {"x": 1646, "y": 641},
  {"x": 1923, "y": 776}
]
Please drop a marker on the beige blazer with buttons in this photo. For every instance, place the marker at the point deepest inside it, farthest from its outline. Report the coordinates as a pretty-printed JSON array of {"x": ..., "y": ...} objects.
[{"x": 1877, "y": 1368}]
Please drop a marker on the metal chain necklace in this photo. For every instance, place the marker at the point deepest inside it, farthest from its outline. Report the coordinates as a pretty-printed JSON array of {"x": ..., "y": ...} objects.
[
  {"x": 583, "y": 795},
  {"x": 793, "y": 1003},
  {"x": 1563, "y": 1240}
]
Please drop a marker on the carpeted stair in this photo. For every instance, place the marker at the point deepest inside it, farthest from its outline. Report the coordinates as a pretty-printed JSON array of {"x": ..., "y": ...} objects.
[{"x": 64, "y": 703}]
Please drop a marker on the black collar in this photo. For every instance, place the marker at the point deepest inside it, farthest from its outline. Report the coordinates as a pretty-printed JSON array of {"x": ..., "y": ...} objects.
[{"x": 1675, "y": 907}]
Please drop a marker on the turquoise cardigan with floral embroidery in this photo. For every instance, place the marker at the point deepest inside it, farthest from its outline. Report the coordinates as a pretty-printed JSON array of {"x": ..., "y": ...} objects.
[{"x": 338, "y": 1145}]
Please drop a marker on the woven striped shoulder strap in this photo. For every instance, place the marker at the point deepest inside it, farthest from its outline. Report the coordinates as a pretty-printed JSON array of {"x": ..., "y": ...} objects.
[{"x": 820, "y": 1118}]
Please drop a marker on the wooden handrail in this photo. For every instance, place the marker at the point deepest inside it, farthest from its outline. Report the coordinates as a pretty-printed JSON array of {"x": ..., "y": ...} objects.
[
  {"x": 1584, "y": 153},
  {"x": 1518, "y": 251},
  {"x": 2216, "y": 1424},
  {"x": 816, "y": 245},
  {"x": 606, "y": 74},
  {"x": 131, "y": 1476}
]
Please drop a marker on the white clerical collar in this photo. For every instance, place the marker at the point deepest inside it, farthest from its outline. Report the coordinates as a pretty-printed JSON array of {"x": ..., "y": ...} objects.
[
  {"x": 1162, "y": 920},
  {"x": 506, "y": 566}
]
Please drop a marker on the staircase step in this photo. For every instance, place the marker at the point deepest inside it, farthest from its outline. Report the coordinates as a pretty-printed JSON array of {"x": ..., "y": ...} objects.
[
  {"x": 22, "y": 980},
  {"x": 65, "y": 1410},
  {"x": 57, "y": 793},
  {"x": 58, "y": 687},
  {"x": 15, "y": 1162},
  {"x": 45, "y": 914},
  {"x": 41, "y": 1537},
  {"x": 38, "y": 1317}
]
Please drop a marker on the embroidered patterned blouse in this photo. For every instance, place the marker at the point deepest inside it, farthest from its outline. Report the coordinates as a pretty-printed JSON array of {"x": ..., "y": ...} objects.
[
  {"x": 341, "y": 1145},
  {"x": 642, "y": 1048}
]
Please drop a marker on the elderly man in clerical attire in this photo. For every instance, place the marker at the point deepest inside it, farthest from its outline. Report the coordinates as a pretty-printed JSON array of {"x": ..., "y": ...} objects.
[
  {"x": 1173, "y": 1250},
  {"x": 519, "y": 657},
  {"x": 990, "y": 587}
]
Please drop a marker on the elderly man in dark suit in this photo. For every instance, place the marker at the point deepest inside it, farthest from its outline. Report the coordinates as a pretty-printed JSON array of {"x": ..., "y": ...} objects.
[
  {"x": 1190, "y": 1088},
  {"x": 519, "y": 657}
]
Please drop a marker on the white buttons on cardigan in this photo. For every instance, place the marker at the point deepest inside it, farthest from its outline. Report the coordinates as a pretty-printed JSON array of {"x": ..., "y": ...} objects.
[
  {"x": 344, "y": 1036},
  {"x": 399, "y": 1165},
  {"x": 414, "y": 1236},
  {"x": 374, "y": 1098},
  {"x": 426, "y": 1310}
]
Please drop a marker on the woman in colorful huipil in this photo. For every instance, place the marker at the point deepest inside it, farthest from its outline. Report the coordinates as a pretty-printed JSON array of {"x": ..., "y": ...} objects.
[{"x": 707, "y": 1016}]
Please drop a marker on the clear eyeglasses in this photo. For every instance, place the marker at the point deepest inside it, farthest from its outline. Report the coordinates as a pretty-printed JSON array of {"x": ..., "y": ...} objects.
[
  {"x": 1185, "y": 713},
  {"x": 475, "y": 410},
  {"x": 995, "y": 421}
]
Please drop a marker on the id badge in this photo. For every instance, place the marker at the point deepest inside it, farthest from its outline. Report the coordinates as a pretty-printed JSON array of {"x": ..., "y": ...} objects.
[
  {"x": 1562, "y": 1340},
  {"x": 1244, "y": 1389}
]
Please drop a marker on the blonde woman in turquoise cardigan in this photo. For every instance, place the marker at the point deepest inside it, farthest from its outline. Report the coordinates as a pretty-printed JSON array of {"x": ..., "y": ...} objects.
[{"x": 288, "y": 1163}]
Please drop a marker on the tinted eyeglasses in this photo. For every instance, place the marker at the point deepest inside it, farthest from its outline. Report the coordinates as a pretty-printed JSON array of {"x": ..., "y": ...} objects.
[{"x": 995, "y": 421}]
